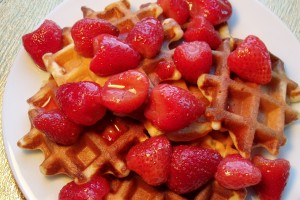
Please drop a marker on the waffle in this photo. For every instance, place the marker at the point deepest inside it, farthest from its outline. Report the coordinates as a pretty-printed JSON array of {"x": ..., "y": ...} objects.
[
  {"x": 255, "y": 115},
  {"x": 121, "y": 15},
  {"x": 92, "y": 153},
  {"x": 134, "y": 188}
]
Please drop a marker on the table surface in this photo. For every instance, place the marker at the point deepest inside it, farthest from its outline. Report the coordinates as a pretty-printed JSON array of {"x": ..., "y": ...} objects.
[{"x": 20, "y": 17}]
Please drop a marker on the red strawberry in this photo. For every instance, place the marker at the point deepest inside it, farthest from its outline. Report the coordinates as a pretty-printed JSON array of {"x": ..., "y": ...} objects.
[
  {"x": 165, "y": 69},
  {"x": 215, "y": 11},
  {"x": 45, "y": 39},
  {"x": 97, "y": 188},
  {"x": 193, "y": 59},
  {"x": 113, "y": 57},
  {"x": 275, "y": 174},
  {"x": 81, "y": 102},
  {"x": 151, "y": 159},
  {"x": 147, "y": 37},
  {"x": 192, "y": 167},
  {"x": 172, "y": 108},
  {"x": 235, "y": 172},
  {"x": 251, "y": 61},
  {"x": 125, "y": 92},
  {"x": 199, "y": 28},
  {"x": 84, "y": 30},
  {"x": 57, "y": 127},
  {"x": 176, "y": 9}
]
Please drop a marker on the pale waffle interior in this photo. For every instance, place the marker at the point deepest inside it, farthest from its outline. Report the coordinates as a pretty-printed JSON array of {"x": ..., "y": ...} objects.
[{"x": 255, "y": 115}]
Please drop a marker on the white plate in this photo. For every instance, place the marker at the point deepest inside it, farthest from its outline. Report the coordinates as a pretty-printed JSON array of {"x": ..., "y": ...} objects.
[{"x": 249, "y": 17}]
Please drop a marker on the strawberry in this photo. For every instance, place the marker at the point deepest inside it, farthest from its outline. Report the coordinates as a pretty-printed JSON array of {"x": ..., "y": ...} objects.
[
  {"x": 171, "y": 108},
  {"x": 199, "y": 28},
  {"x": 81, "y": 102},
  {"x": 275, "y": 174},
  {"x": 193, "y": 59},
  {"x": 95, "y": 189},
  {"x": 165, "y": 69},
  {"x": 113, "y": 57},
  {"x": 176, "y": 9},
  {"x": 146, "y": 37},
  {"x": 215, "y": 11},
  {"x": 125, "y": 92},
  {"x": 84, "y": 30},
  {"x": 251, "y": 61},
  {"x": 151, "y": 159},
  {"x": 47, "y": 38},
  {"x": 191, "y": 168},
  {"x": 235, "y": 172},
  {"x": 57, "y": 127}
]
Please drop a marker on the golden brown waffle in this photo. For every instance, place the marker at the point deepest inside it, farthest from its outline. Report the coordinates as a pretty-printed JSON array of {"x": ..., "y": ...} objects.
[
  {"x": 134, "y": 188},
  {"x": 255, "y": 115},
  {"x": 122, "y": 16},
  {"x": 92, "y": 153}
]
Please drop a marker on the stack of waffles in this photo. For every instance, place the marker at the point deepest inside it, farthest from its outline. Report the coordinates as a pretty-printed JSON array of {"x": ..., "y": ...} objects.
[{"x": 239, "y": 116}]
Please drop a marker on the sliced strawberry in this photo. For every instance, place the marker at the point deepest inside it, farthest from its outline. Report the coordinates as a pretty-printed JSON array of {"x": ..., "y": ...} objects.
[
  {"x": 176, "y": 9},
  {"x": 84, "y": 30},
  {"x": 45, "y": 39},
  {"x": 275, "y": 174},
  {"x": 81, "y": 102},
  {"x": 172, "y": 108},
  {"x": 147, "y": 37},
  {"x": 125, "y": 92},
  {"x": 97, "y": 188},
  {"x": 151, "y": 159},
  {"x": 215, "y": 11},
  {"x": 57, "y": 127},
  {"x": 251, "y": 61},
  {"x": 235, "y": 172},
  {"x": 113, "y": 57},
  {"x": 193, "y": 59},
  {"x": 192, "y": 167},
  {"x": 199, "y": 28}
]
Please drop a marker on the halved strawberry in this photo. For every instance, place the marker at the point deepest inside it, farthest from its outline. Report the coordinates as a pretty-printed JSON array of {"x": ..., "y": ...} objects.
[
  {"x": 146, "y": 37},
  {"x": 199, "y": 28},
  {"x": 192, "y": 167},
  {"x": 47, "y": 38},
  {"x": 171, "y": 108},
  {"x": 251, "y": 61},
  {"x": 84, "y": 31},
  {"x": 151, "y": 159},
  {"x": 113, "y": 56},
  {"x": 235, "y": 172},
  {"x": 125, "y": 92},
  {"x": 275, "y": 174},
  {"x": 176, "y": 9},
  {"x": 96, "y": 188},
  {"x": 81, "y": 102},
  {"x": 215, "y": 11},
  {"x": 57, "y": 127},
  {"x": 193, "y": 59}
]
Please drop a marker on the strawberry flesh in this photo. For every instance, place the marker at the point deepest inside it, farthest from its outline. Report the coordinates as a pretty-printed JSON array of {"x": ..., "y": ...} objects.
[
  {"x": 275, "y": 174},
  {"x": 176, "y": 9},
  {"x": 251, "y": 61},
  {"x": 47, "y": 38},
  {"x": 85, "y": 30},
  {"x": 171, "y": 108},
  {"x": 96, "y": 188},
  {"x": 81, "y": 102},
  {"x": 191, "y": 168},
  {"x": 151, "y": 159},
  {"x": 235, "y": 172},
  {"x": 113, "y": 56}
]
